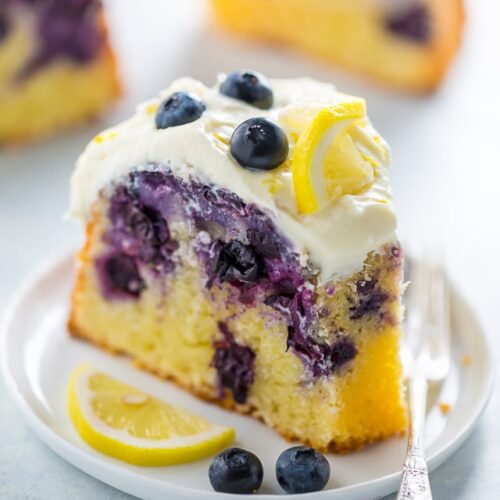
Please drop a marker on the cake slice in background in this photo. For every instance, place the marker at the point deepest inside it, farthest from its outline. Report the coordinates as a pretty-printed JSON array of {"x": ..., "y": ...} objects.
[
  {"x": 241, "y": 242},
  {"x": 56, "y": 66},
  {"x": 407, "y": 44}
]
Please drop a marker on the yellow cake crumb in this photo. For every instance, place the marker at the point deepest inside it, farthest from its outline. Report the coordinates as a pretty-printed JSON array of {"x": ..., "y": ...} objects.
[
  {"x": 174, "y": 339},
  {"x": 466, "y": 360},
  {"x": 445, "y": 408}
]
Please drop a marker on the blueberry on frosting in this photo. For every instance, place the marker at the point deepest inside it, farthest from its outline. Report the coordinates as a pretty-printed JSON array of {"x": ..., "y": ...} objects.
[
  {"x": 180, "y": 108},
  {"x": 259, "y": 144},
  {"x": 248, "y": 86}
]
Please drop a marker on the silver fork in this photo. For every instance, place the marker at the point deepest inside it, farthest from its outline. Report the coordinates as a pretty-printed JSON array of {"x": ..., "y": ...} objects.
[{"x": 426, "y": 358}]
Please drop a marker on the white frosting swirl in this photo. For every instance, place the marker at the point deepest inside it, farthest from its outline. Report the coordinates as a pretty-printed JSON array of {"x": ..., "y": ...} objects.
[{"x": 336, "y": 239}]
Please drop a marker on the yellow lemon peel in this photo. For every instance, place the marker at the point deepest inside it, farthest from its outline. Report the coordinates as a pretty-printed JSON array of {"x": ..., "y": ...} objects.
[
  {"x": 125, "y": 423},
  {"x": 333, "y": 157}
]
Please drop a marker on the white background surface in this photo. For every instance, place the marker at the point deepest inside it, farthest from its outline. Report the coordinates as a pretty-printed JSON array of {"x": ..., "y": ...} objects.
[{"x": 446, "y": 177}]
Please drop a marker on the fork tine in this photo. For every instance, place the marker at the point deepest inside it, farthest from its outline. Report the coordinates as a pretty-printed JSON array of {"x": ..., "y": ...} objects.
[
  {"x": 418, "y": 302},
  {"x": 427, "y": 334},
  {"x": 426, "y": 352},
  {"x": 440, "y": 316}
]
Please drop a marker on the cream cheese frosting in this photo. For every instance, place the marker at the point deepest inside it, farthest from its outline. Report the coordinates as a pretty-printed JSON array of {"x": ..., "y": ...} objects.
[{"x": 335, "y": 239}]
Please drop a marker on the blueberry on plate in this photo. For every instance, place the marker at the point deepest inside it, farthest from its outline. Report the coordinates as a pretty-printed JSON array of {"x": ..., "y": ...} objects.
[
  {"x": 302, "y": 470},
  {"x": 178, "y": 109},
  {"x": 248, "y": 86},
  {"x": 236, "y": 471},
  {"x": 259, "y": 144}
]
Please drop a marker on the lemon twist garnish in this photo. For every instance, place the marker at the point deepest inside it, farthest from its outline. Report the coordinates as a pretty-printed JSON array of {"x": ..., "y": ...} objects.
[
  {"x": 327, "y": 162},
  {"x": 125, "y": 423}
]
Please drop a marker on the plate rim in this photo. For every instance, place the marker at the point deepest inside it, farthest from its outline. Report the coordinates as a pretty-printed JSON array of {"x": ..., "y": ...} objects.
[{"x": 85, "y": 461}]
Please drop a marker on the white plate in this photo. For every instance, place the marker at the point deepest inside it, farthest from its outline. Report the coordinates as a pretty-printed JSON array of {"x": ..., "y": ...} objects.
[{"x": 38, "y": 356}]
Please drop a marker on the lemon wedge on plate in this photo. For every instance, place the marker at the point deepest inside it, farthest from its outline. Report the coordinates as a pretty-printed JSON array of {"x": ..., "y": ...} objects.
[
  {"x": 329, "y": 158},
  {"x": 125, "y": 423}
]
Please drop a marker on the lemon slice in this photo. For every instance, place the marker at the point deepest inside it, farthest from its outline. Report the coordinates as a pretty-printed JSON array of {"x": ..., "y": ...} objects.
[
  {"x": 127, "y": 424},
  {"x": 297, "y": 116},
  {"x": 327, "y": 161}
]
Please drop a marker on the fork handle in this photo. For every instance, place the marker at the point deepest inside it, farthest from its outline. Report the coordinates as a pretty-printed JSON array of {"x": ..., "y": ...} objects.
[{"x": 415, "y": 480}]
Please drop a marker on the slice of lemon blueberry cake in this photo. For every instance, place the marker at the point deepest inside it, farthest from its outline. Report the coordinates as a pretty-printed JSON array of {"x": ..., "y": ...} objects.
[
  {"x": 403, "y": 43},
  {"x": 56, "y": 66},
  {"x": 241, "y": 242}
]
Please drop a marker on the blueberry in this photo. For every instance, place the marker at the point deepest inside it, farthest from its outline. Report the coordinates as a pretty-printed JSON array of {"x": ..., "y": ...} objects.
[
  {"x": 236, "y": 471},
  {"x": 342, "y": 351},
  {"x": 147, "y": 225},
  {"x": 178, "y": 109},
  {"x": 4, "y": 27},
  {"x": 235, "y": 364},
  {"x": 302, "y": 470},
  {"x": 264, "y": 242},
  {"x": 370, "y": 299},
  {"x": 238, "y": 263},
  {"x": 248, "y": 86},
  {"x": 412, "y": 22},
  {"x": 122, "y": 276},
  {"x": 259, "y": 144}
]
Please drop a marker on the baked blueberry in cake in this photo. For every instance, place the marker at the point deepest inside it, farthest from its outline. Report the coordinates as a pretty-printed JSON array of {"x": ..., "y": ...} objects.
[
  {"x": 56, "y": 66},
  {"x": 408, "y": 44},
  {"x": 241, "y": 242}
]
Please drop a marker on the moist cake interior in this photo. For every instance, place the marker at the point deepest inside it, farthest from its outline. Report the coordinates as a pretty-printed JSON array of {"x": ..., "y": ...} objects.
[{"x": 199, "y": 286}]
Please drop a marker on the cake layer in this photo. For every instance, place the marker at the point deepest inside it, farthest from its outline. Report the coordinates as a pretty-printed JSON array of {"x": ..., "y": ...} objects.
[
  {"x": 55, "y": 59},
  {"x": 407, "y": 44},
  {"x": 199, "y": 286}
]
